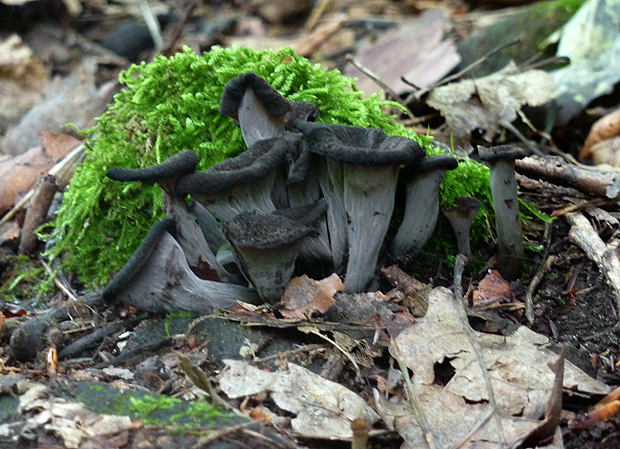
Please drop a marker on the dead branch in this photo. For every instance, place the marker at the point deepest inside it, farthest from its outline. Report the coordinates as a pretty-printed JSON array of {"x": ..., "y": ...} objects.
[
  {"x": 37, "y": 212},
  {"x": 583, "y": 234},
  {"x": 591, "y": 180}
]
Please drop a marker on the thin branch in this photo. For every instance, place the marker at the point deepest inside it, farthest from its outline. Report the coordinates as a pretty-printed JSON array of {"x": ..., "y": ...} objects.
[
  {"x": 373, "y": 76},
  {"x": 459, "y": 74},
  {"x": 540, "y": 272}
]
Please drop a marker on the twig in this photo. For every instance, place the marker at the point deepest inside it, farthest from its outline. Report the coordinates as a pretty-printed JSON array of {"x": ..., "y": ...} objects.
[
  {"x": 152, "y": 25},
  {"x": 358, "y": 373},
  {"x": 373, "y": 76},
  {"x": 42, "y": 197},
  {"x": 61, "y": 286},
  {"x": 220, "y": 433},
  {"x": 459, "y": 268},
  {"x": 513, "y": 129},
  {"x": 310, "y": 43},
  {"x": 584, "y": 205},
  {"x": 315, "y": 15},
  {"x": 176, "y": 34},
  {"x": 459, "y": 74},
  {"x": 597, "y": 182},
  {"x": 542, "y": 268},
  {"x": 58, "y": 170},
  {"x": 583, "y": 234},
  {"x": 92, "y": 339}
]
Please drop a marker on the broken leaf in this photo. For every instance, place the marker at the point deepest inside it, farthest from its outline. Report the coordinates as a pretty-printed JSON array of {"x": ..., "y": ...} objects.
[
  {"x": 590, "y": 39},
  {"x": 492, "y": 101},
  {"x": 323, "y": 409},
  {"x": 492, "y": 289},
  {"x": 417, "y": 51},
  {"x": 303, "y": 296},
  {"x": 450, "y": 385}
]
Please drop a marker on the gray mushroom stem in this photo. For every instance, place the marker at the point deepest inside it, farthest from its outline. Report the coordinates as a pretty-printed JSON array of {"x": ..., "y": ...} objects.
[
  {"x": 369, "y": 202},
  {"x": 501, "y": 160},
  {"x": 359, "y": 183},
  {"x": 461, "y": 217},
  {"x": 421, "y": 204},
  {"x": 157, "y": 279}
]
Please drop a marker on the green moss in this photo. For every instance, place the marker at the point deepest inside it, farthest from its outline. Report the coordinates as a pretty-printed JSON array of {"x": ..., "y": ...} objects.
[
  {"x": 197, "y": 413},
  {"x": 169, "y": 105}
]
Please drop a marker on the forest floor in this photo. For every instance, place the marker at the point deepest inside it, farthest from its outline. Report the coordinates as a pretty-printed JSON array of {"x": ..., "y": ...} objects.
[{"x": 575, "y": 304}]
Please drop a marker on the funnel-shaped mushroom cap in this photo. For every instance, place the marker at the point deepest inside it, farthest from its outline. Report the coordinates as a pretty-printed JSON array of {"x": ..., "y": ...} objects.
[
  {"x": 261, "y": 111},
  {"x": 359, "y": 183},
  {"x": 501, "y": 161},
  {"x": 421, "y": 204},
  {"x": 234, "y": 91},
  {"x": 240, "y": 184},
  {"x": 358, "y": 145},
  {"x": 158, "y": 279},
  {"x": 180, "y": 164},
  {"x": 266, "y": 246}
]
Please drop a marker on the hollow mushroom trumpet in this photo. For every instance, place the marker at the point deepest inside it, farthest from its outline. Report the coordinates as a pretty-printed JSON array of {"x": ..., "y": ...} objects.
[
  {"x": 461, "y": 217},
  {"x": 501, "y": 160},
  {"x": 260, "y": 110},
  {"x": 266, "y": 245},
  {"x": 188, "y": 231},
  {"x": 421, "y": 204},
  {"x": 359, "y": 185},
  {"x": 157, "y": 279},
  {"x": 241, "y": 184}
]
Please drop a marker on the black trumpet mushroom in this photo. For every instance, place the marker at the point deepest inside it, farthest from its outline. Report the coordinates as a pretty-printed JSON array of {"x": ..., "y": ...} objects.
[
  {"x": 461, "y": 216},
  {"x": 260, "y": 110},
  {"x": 267, "y": 245},
  {"x": 359, "y": 183},
  {"x": 501, "y": 160},
  {"x": 157, "y": 279},
  {"x": 421, "y": 204},
  {"x": 189, "y": 234}
]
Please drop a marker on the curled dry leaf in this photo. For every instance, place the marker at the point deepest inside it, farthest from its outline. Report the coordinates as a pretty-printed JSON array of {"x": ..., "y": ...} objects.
[
  {"x": 604, "y": 129},
  {"x": 19, "y": 173},
  {"x": 493, "y": 289},
  {"x": 304, "y": 296},
  {"x": 489, "y": 102}
]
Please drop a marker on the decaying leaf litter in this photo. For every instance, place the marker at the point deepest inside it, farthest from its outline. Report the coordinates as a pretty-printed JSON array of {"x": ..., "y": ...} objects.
[{"x": 347, "y": 343}]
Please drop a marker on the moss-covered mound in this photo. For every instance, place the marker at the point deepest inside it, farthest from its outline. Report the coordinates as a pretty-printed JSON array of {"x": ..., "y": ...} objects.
[{"x": 169, "y": 105}]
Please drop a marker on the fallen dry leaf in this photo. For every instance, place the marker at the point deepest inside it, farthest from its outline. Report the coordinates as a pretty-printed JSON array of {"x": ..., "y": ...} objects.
[
  {"x": 18, "y": 174},
  {"x": 322, "y": 409},
  {"x": 304, "y": 295},
  {"x": 71, "y": 421},
  {"x": 418, "y": 51},
  {"x": 489, "y": 102},
  {"x": 449, "y": 381},
  {"x": 605, "y": 128},
  {"x": 492, "y": 289},
  {"x": 24, "y": 78}
]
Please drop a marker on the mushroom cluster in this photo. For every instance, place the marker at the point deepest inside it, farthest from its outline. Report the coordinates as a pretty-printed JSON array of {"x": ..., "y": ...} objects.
[{"x": 304, "y": 198}]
